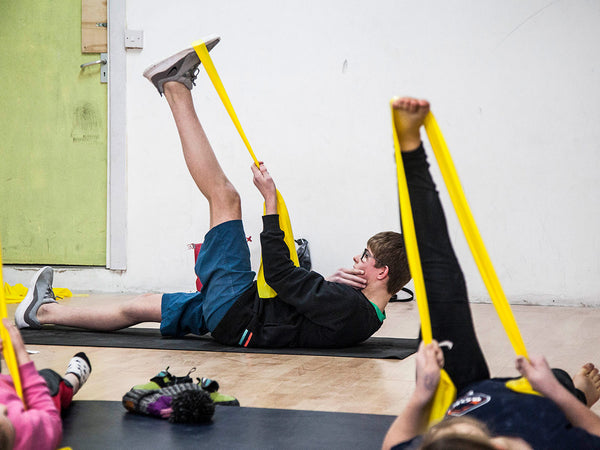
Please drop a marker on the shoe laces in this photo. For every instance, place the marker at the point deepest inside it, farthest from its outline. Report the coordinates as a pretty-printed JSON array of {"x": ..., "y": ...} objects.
[
  {"x": 165, "y": 378},
  {"x": 192, "y": 74},
  {"x": 49, "y": 293}
]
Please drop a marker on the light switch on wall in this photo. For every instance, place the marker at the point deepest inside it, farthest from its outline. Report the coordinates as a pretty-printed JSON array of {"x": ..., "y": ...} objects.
[{"x": 134, "y": 39}]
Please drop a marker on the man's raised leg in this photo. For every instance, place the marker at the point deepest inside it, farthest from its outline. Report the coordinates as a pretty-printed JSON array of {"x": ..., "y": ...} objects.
[
  {"x": 223, "y": 199},
  {"x": 223, "y": 264},
  {"x": 175, "y": 77}
]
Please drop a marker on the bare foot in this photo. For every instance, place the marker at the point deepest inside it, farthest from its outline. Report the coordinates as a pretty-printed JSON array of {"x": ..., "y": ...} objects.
[
  {"x": 587, "y": 380},
  {"x": 409, "y": 114}
]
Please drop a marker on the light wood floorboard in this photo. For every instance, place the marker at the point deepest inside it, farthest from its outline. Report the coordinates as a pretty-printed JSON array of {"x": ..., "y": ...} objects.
[{"x": 567, "y": 336}]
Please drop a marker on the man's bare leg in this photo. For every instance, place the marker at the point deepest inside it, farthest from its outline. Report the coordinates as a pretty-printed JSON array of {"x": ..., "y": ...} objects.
[
  {"x": 409, "y": 114},
  {"x": 104, "y": 317},
  {"x": 223, "y": 199},
  {"x": 587, "y": 380}
]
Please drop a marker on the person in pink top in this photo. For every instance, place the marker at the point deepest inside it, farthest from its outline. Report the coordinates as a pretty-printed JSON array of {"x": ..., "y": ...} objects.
[{"x": 34, "y": 422}]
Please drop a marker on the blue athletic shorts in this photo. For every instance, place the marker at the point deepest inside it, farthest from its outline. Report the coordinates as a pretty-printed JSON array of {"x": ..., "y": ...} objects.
[{"x": 223, "y": 266}]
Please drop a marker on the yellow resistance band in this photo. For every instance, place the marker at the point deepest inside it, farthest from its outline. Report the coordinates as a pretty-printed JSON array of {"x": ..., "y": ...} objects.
[
  {"x": 16, "y": 293},
  {"x": 472, "y": 235},
  {"x": 8, "y": 350},
  {"x": 446, "y": 391},
  {"x": 482, "y": 259},
  {"x": 264, "y": 290}
]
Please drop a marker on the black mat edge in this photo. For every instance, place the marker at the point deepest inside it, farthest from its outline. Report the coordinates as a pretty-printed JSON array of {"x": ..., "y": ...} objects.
[
  {"x": 150, "y": 338},
  {"x": 97, "y": 424}
]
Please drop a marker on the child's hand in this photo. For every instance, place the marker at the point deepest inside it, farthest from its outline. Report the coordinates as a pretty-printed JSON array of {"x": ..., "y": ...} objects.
[
  {"x": 430, "y": 361},
  {"x": 17, "y": 342},
  {"x": 538, "y": 372}
]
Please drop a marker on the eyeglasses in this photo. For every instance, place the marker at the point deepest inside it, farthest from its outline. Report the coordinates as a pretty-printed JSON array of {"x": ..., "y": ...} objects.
[{"x": 366, "y": 254}]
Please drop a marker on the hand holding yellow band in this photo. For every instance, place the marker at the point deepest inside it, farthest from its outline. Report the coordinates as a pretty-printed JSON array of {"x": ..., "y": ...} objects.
[{"x": 264, "y": 290}]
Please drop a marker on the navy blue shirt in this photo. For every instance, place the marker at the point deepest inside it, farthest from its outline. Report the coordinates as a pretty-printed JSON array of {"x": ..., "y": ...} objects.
[{"x": 535, "y": 419}]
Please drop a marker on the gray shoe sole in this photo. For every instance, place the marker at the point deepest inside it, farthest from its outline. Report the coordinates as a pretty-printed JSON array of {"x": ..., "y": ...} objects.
[
  {"x": 176, "y": 66},
  {"x": 26, "y": 313}
]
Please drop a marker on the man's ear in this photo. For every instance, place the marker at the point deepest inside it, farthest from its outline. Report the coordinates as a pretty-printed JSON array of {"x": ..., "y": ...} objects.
[{"x": 383, "y": 272}]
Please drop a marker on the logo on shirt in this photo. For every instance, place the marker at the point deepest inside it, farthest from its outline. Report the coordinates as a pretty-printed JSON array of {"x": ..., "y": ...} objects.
[{"x": 467, "y": 403}]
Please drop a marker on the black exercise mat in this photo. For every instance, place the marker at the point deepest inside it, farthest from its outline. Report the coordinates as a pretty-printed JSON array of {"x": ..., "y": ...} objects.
[
  {"x": 106, "y": 425},
  {"x": 150, "y": 338}
]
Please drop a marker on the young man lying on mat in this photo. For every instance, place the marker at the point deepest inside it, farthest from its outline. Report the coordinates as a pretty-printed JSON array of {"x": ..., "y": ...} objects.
[
  {"x": 487, "y": 413},
  {"x": 309, "y": 310}
]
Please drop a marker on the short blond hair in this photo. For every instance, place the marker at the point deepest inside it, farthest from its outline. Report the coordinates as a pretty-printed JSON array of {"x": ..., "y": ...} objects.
[{"x": 442, "y": 437}]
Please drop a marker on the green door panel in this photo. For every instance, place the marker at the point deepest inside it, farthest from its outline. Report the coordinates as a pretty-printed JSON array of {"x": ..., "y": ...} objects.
[{"x": 53, "y": 143}]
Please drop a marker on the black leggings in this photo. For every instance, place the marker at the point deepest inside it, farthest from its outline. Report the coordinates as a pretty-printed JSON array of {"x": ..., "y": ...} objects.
[{"x": 444, "y": 282}]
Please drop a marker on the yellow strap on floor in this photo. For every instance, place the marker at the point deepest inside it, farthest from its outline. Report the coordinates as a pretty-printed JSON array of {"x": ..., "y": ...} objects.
[
  {"x": 8, "y": 350},
  {"x": 446, "y": 391},
  {"x": 482, "y": 259},
  {"x": 264, "y": 290},
  {"x": 16, "y": 293}
]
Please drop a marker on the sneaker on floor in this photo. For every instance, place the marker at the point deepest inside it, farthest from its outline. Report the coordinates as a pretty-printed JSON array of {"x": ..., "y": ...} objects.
[
  {"x": 181, "y": 67},
  {"x": 212, "y": 387},
  {"x": 179, "y": 403},
  {"x": 223, "y": 400},
  {"x": 81, "y": 367},
  {"x": 164, "y": 378},
  {"x": 39, "y": 293}
]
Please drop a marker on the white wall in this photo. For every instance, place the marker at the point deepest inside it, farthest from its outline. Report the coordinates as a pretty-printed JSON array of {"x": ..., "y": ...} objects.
[{"x": 514, "y": 86}]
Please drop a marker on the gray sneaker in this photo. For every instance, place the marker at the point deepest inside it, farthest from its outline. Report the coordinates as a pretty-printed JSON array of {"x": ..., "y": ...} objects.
[
  {"x": 39, "y": 293},
  {"x": 181, "y": 67}
]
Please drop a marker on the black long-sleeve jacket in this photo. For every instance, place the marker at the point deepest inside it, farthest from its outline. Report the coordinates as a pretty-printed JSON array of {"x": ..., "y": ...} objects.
[{"x": 308, "y": 311}]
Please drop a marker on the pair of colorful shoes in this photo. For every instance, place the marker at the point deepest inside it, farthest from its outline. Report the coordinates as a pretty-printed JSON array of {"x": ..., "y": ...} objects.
[
  {"x": 177, "y": 399},
  {"x": 165, "y": 379}
]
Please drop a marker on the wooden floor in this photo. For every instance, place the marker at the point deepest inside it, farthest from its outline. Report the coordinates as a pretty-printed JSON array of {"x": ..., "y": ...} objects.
[{"x": 568, "y": 337}]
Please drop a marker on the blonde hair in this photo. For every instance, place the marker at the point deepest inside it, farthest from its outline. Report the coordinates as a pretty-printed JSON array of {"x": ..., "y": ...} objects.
[{"x": 442, "y": 436}]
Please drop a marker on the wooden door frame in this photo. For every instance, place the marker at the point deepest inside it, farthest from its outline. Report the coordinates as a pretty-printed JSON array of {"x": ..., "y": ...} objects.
[{"x": 116, "y": 235}]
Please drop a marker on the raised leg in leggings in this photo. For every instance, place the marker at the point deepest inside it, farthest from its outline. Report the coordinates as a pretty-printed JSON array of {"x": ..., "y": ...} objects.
[{"x": 444, "y": 282}]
